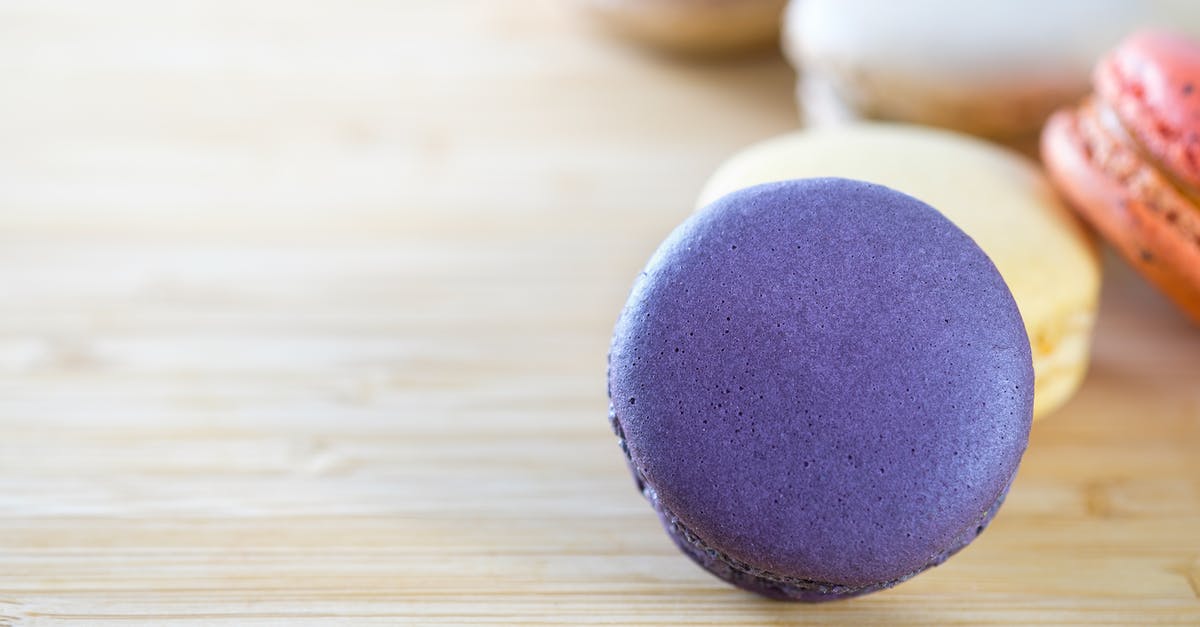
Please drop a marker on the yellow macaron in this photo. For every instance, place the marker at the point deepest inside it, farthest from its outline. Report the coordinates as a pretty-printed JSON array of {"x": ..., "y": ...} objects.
[{"x": 999, "y": 198}]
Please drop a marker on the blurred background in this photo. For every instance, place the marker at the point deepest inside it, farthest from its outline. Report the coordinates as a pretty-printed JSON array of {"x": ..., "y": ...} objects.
[{"x": 305, "y": 312}]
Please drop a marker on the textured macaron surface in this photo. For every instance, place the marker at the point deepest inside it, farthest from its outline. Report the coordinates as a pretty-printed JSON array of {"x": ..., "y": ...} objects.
[
  {"x": 999, "y": 198},
  {"x": 823, "y": 379},
  {"x": 1152, "y": 81}
]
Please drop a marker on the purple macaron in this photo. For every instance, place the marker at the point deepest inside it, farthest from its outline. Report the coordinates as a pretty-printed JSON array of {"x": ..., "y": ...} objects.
[{"x": 823, "y": 387}]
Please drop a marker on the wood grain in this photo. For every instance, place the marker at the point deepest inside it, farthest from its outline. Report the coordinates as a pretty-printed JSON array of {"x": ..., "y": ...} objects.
[{"x": 305, "y": 308}]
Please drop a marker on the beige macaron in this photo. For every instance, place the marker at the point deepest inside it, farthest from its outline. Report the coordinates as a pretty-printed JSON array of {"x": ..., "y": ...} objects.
[
  {"x": 999, "y": 198},
  {"x": 702, "y": 27}
]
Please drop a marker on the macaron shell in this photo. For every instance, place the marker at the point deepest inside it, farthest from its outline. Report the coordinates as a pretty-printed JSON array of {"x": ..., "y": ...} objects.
[
  {"x": 1000, "y": 199},
  {"x": 1152, "y": 81},
  {"x": 1156, "y": 229},
  {"x": 823, "y": 379},
  {"x": 698, "y": 27},
  {"x": 989, "y": 68},
  {"x": 711, "y": 562}
]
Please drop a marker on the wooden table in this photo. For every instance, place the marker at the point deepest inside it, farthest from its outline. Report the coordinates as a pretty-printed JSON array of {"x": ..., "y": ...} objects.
[{"x": 304, "y": 319}]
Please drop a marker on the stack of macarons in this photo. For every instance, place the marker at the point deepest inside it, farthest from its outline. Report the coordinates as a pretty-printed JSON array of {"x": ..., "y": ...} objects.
[
  {"x": 1128, "y": 158},
  {"x": 824, "y": 379}
]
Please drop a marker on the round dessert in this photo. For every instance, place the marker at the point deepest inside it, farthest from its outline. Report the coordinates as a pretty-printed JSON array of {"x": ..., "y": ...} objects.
[
  {"x": 997, "y": 69},
  {"x": 999, "y": 198},
  {"x": 822, "y": 386},
  {"x": 1128, "y": 160},
  {"x": 693, "y": 26}
]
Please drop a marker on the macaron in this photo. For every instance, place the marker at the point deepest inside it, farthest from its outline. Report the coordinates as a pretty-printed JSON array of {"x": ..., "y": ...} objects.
[
  {"x": 999, "y": 198},
  {"x": 1128, "y": 159},
  {"x": 823, "y": 387},
  {"x": 699, "y": 27},
  {"x": 996, "y": 69}
]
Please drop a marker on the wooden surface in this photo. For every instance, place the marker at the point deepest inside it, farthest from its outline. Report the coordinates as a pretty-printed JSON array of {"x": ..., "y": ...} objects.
[{"x": 304, "y": 318}]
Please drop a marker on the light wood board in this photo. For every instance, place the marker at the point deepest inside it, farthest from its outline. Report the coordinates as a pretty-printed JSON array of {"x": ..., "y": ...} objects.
[{"x": 303, "y": 317}]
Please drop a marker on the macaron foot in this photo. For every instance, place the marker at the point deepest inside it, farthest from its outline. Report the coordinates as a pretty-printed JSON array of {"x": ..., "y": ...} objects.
[{"x": 766, "y": 583}]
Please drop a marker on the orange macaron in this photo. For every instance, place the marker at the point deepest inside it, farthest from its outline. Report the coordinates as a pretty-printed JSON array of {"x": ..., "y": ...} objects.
[{"x": 1128, "y": 159}]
